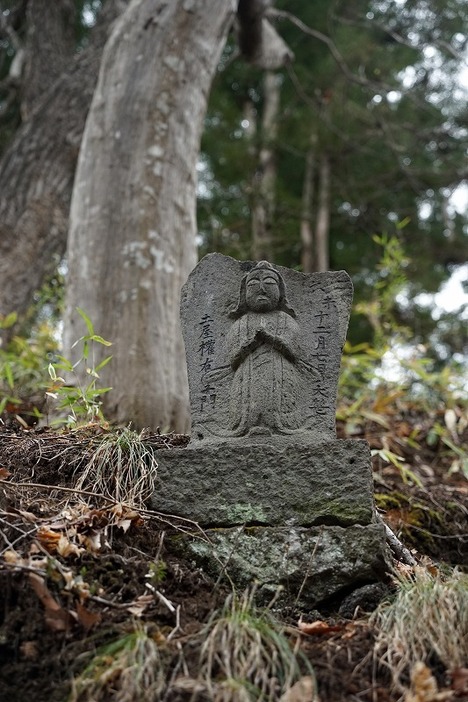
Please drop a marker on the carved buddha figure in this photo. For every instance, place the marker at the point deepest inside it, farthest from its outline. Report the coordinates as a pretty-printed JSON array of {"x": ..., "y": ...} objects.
[{"x": 264, "y": 356}]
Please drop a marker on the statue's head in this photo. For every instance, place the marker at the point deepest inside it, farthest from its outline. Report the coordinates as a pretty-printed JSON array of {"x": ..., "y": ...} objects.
[{"x": 262, "y": 290}]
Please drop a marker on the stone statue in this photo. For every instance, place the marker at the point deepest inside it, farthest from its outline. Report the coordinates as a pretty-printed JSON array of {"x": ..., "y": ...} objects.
[
  {"x": 264, "y": 354},
  {"x": 263, "y": 350},
  {"x": 263, "y": 346}
]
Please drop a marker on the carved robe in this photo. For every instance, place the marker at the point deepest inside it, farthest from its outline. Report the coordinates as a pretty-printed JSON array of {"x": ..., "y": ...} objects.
[{"x": 264, "y": 354}]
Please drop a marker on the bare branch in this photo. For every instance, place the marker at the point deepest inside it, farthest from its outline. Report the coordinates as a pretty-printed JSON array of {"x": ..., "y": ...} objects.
[
  {"x": 284, "y": 14},
  {"x": 400, "y": 39}
]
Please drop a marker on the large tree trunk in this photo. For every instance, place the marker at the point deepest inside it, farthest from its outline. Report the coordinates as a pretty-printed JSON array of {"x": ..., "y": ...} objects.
[
  {"x": 133, "y": 227},
  {"x": 37, "y": 170}
]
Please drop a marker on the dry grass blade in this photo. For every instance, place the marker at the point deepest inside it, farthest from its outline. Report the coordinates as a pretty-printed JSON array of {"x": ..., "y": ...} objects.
[
  {"x": 121, "y": 467},
  {"x": 427, "y": 618},
  {"x": 245, "y": 656}
]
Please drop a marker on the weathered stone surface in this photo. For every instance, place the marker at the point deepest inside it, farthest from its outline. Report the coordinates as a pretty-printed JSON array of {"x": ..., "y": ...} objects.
[
  {"x": 278, "y": 484},
  {"x": 263, "y": 348},
  {"x": 311, "y": 564}
]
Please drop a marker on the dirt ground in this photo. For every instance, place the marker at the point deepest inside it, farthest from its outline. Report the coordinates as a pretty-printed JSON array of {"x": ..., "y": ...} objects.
[{"x": 77, "y": 571}]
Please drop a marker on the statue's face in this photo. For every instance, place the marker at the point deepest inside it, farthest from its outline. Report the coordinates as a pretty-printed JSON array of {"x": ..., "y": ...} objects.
[{"x": 262, "y": 292}]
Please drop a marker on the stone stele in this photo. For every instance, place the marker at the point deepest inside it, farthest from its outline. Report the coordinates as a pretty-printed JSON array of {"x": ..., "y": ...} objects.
[{"x": 282, "y": 500}]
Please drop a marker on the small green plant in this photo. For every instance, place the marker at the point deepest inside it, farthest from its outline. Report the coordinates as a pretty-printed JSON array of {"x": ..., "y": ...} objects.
[
  {"x": 127, "y": 669},
  {"x": 157, "y": 571},
  {"x": 22, "y": 368},
  {"x": 427, "y": 617},
  {"x": 121, "y": 466},
  {"x": 406, "y": 473},
  {"x": 245, "y": 656},
  {"x": 80, "y": 399}
]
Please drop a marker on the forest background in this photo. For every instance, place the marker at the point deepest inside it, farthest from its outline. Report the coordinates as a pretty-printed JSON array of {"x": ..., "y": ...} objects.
[
  {"x": 349, "y": 152},
  {"x": 335, "y": 136}
]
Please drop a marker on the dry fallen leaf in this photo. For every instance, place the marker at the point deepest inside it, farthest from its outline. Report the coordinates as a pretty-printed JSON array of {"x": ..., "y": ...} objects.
[
  {"x": 48, "y": 538},
  {"x": 351, "y": 629},
  {"x": 93, "y": 541},
  {"x": 75, "y": 583},
  {"x": 87, "y": 618},
  {"x": 424, "y": 686},
  {"x": 302, "y": 691},
  {"x": 124, "y": 524},
  {"x": 57, "y": 618},
  {"x": 140, "y": 604},
  {"x": 317, "y": 628},
  {"x": 4, "y": 474},
  {"x": 12, "y": 558},
  {"x": 66, "y": 548}
]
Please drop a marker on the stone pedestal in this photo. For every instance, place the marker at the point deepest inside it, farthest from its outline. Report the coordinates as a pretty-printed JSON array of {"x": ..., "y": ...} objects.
[
  {"x": 273, "y": 484},
  {"x": 279, "y": 499},
  {"x": 280, "y": 514}
]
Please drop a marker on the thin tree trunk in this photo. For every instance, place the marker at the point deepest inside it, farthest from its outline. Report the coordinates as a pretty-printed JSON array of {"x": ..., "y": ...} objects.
[
  {"x": 323, "y": 216},
  {"x": 36, "y": 177},
  {"x": 307, "y": 236},
  {"x": 132, "y": 223},
  {"x": 265, "y": 178},
  {"x": 448, "y": 219}
]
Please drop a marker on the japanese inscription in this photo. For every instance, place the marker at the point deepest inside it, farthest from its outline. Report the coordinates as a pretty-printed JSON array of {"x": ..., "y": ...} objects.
[
  {"x": 322, "y": 335},
  {"x": 206, "y": 352}
]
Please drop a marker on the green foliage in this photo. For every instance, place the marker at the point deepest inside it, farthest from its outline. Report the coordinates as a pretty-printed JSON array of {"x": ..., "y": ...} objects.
[
  {"x": 393, "y": 372},
  {"x": 361, "y": 361},
  {"x": 390, "y": 279},
  {"x": 364, "y": 368},
  {"x": 82, "y": 401},
  {"x": 22, "y": 369}
]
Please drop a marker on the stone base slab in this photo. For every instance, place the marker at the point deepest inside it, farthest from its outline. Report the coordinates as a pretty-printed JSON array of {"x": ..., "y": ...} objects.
[
  {"x": 270, "y": 485},
  {"x": 309, "y": 565}
]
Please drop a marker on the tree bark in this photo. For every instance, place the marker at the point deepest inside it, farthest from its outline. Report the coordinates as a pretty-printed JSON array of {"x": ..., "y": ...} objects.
[
  {"x": 132, "y": 223},
  {"x": 323, "y": 216},
  {"x": 49, "y": 46},
  {"x": 36, "y": 177},
  {"x": 265, "y": 178}
]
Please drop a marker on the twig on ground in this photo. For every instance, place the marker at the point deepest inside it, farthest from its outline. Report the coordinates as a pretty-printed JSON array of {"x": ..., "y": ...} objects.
[{"x": 400, "y": 551}]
